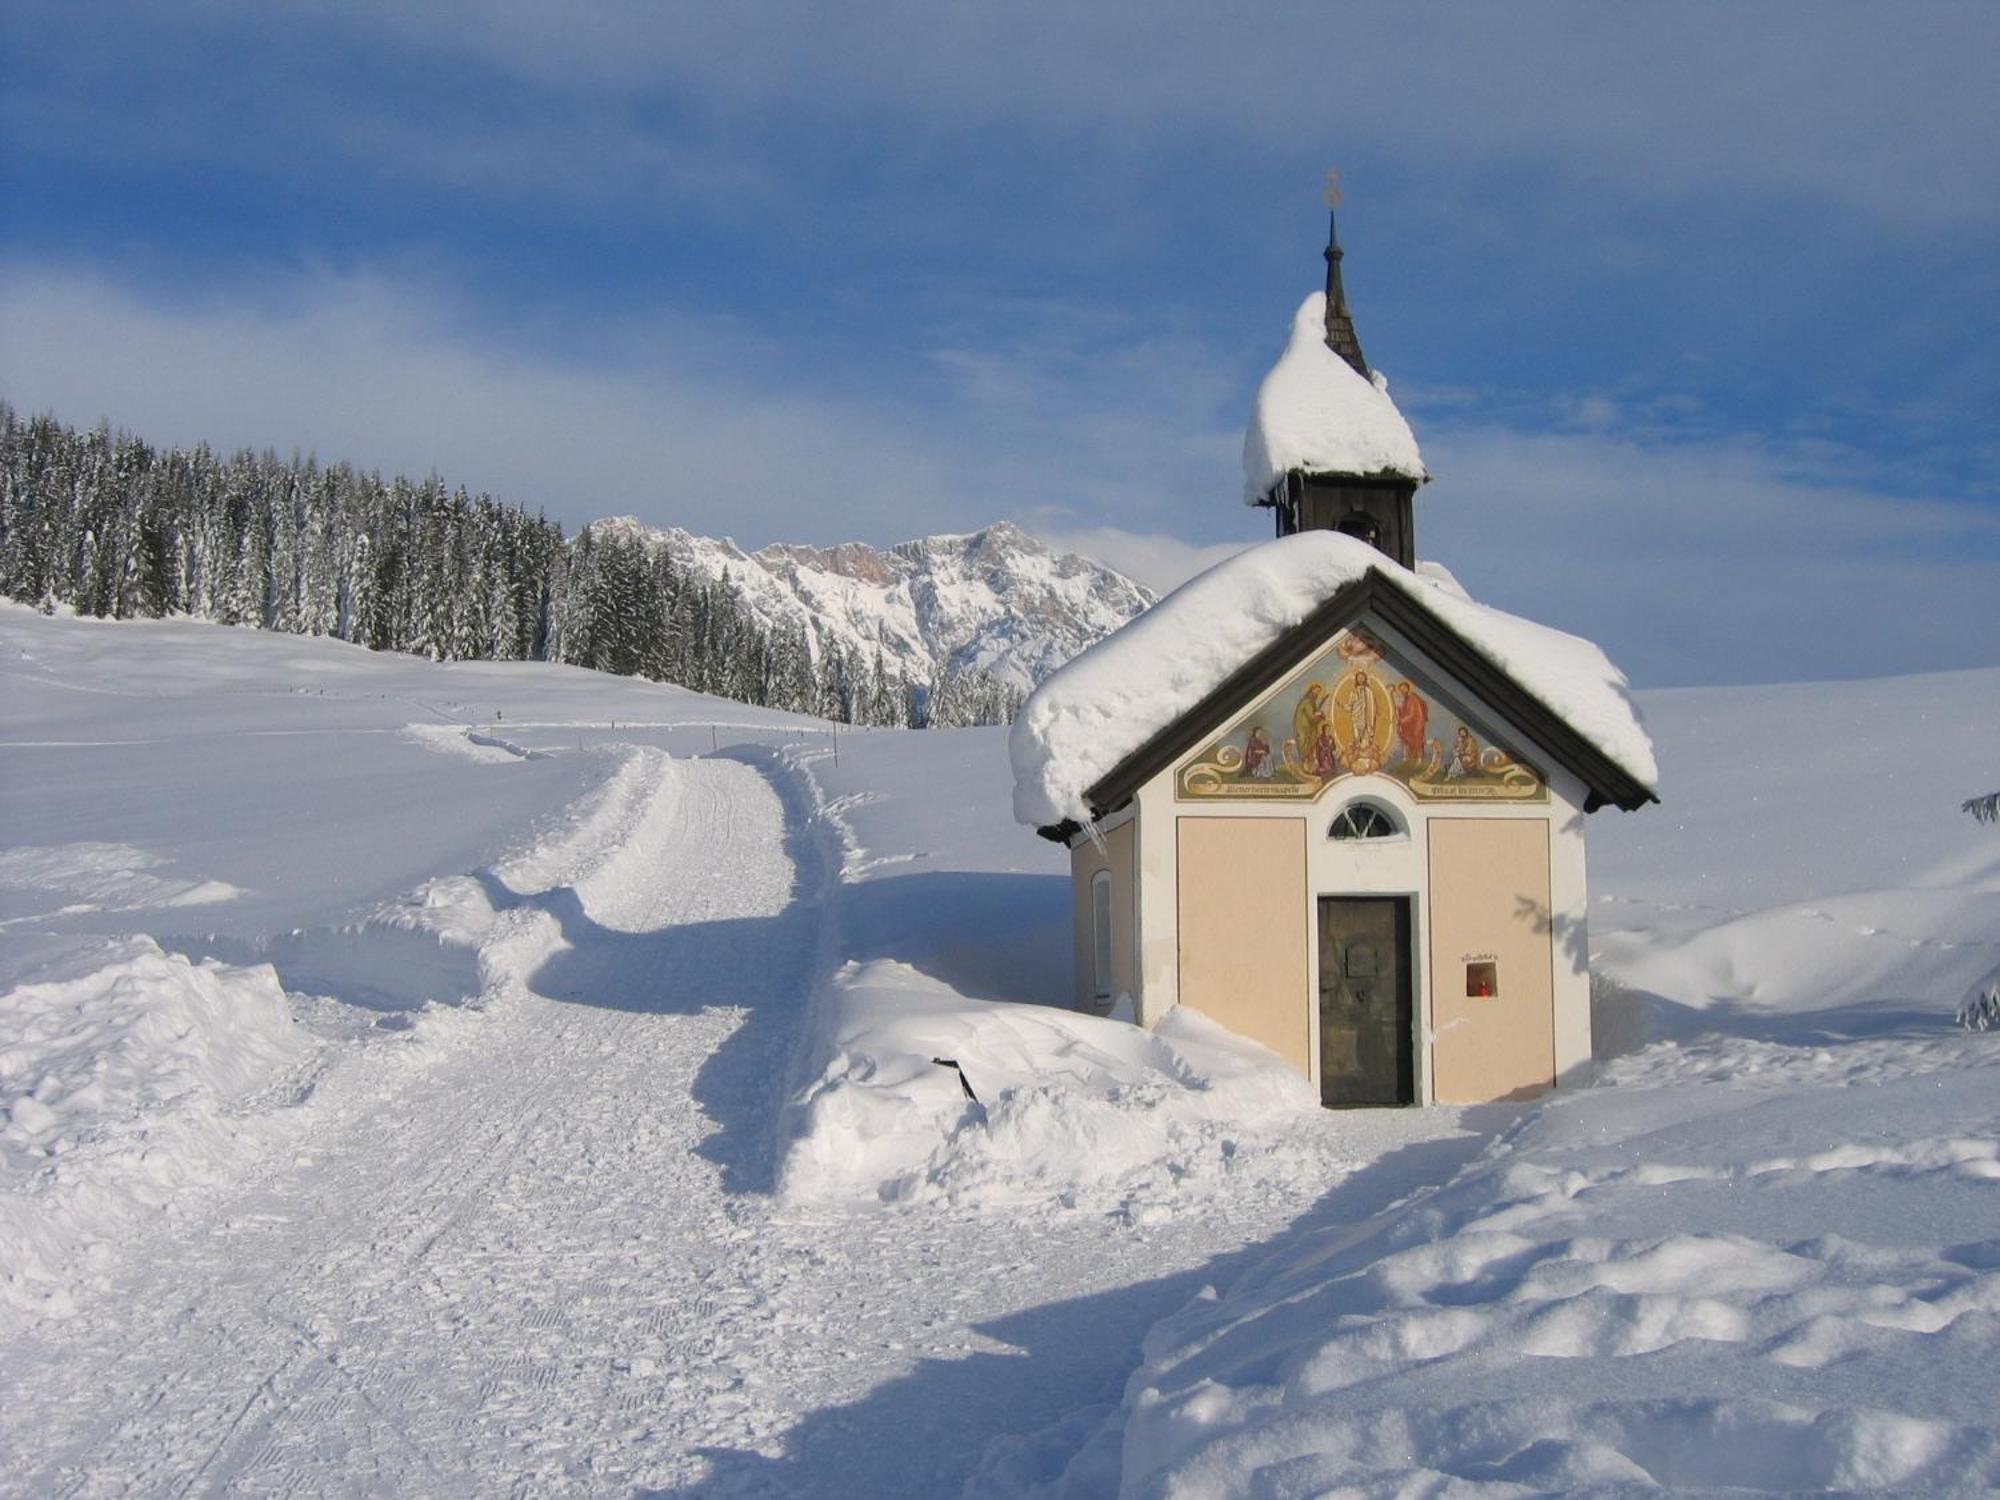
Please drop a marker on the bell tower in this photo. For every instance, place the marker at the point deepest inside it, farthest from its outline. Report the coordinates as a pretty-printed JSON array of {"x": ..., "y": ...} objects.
[{"x": 1343, "y": 458}]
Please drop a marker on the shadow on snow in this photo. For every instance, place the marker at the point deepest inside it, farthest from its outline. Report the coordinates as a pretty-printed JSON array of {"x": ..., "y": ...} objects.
[{"x": 926, "y": 1433}]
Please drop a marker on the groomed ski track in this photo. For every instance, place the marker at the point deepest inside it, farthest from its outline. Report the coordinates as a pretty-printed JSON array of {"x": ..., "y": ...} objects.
[{"x": 546, "y": 1259}]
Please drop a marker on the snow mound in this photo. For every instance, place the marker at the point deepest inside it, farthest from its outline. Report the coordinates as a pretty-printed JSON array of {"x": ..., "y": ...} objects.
[
  {"x": 1692, "y": 1285},
  {"x": 1314, "y": 413},
  {"x": 1080, "y": 723},
  {"x": 123, "y": 1080},
  {"x": 1054, "y": 1106}
]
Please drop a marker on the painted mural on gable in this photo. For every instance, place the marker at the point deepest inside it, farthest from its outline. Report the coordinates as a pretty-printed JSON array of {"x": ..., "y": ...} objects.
[{"x": 1353, "y": 712}]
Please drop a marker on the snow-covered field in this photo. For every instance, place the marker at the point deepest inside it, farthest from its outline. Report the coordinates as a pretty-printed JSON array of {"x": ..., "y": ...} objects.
[{"x": 488, "y": 1079}]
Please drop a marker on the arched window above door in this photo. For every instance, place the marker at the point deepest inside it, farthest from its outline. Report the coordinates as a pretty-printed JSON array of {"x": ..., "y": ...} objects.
[{"x": 1365, "y": 820}]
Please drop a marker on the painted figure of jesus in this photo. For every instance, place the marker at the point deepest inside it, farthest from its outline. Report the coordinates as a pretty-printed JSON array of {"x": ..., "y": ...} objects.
[{"x": 1361, "y": 709}]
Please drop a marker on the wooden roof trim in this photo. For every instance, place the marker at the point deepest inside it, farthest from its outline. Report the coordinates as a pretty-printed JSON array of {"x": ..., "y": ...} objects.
[{"x": 1606, "y": 781}]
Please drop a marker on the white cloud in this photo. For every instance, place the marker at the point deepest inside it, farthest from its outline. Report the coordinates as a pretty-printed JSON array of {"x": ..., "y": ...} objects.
[
  {"x": 382, "y": 374},
  {"x": 1713, "y": 562},
  {"x": 1159, "y": 561},
  {"x": 708, "y": 425},
  {"x": 1691, "y": 561}
]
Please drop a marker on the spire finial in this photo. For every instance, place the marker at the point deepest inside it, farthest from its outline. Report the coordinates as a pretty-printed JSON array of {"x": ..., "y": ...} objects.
[{"x": 1340, "y": 335}]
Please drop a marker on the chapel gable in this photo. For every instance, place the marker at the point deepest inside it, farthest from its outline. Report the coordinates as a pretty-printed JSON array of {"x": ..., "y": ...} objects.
[{"x": 1358, "y": 706}]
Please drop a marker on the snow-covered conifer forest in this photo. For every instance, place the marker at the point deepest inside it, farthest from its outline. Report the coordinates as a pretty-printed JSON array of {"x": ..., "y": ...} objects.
[{"x": 110, "y": 526}]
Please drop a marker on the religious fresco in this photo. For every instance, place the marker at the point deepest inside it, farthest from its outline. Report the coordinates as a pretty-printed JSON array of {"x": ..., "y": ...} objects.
[{"x": 1353, "y": 712}]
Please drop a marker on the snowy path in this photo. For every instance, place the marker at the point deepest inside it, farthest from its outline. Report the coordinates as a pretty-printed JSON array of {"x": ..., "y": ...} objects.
[
  {"x": 548, "y": 1262},
  {"x": 506, "y": 1272}
]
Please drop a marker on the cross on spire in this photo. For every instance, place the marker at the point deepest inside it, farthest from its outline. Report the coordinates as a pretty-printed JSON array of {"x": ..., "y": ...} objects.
[{"x": 1340, "y": 335}]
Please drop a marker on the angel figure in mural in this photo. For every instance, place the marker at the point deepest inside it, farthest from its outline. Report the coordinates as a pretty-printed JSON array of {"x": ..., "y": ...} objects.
[
  {"x": 1413, "y": 717},
  {"x": 1257, "y": 759}
]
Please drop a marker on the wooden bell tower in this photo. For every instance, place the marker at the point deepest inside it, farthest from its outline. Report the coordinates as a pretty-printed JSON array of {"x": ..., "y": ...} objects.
[{"x": 1375, "y": 507}]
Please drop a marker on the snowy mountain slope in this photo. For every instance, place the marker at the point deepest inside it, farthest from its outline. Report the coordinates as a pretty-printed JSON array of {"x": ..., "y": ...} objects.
[{"x": 996, "y": 601}]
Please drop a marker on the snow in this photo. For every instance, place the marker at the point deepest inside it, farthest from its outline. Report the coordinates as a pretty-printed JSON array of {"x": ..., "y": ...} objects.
[
  {"x": 1315, "y": 414},
  {"x": 1063, "y": 1108},
  {"x": 563, "y": 1121},
  {"x": 97, "y": 876},
  {"x": 1771, "y": 1279},
  {"x": 512, "y": 1223},
  {"x": 121, "y": 1078},
  {"x": 1080, "y": 723}
]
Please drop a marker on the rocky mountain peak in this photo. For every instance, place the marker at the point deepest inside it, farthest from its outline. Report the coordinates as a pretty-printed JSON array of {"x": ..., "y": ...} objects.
[{"x": 998, "y": 601}]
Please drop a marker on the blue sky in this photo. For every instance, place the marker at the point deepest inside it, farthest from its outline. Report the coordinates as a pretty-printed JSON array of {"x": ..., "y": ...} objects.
[{"x": 1694, "y": 308}]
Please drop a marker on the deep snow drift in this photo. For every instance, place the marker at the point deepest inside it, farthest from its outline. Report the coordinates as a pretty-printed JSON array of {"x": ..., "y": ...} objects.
[{"x": 200, "y": 820}]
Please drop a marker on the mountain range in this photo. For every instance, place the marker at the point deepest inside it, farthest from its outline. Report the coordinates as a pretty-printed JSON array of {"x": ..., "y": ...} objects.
[{"x": 997, "y": 602}]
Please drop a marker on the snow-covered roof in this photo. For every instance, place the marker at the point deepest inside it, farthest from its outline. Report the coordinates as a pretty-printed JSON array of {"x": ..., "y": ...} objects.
[
  {"x": 1107, "y": 703},
  {"x": 1316, "y": 414}
]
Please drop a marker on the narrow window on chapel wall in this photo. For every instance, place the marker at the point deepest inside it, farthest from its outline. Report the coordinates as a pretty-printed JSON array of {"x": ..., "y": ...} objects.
[{"x": 1100, "y": 933}]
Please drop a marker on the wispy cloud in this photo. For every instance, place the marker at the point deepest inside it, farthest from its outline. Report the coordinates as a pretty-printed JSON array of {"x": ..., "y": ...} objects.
[
  {"x": 704, "y": 424},
  {"x": 1713, "y": 562},
  {"x": 1159, "y": 561},
  {"x": 1884, "y": 109},
  {"x": 1719, "y": 558}
]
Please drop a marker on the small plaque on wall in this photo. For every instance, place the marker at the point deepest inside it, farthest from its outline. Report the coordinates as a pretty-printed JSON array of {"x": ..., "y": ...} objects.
[{"x": 1482, "y": 979}]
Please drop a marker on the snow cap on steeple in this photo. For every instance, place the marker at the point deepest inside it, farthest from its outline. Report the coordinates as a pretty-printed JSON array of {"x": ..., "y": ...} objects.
[{"x": 1317, "y": 413}]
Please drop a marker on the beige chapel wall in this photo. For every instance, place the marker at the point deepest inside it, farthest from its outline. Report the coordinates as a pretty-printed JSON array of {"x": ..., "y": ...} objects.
[
  {"x": 1395, "y": 867},
  {"x": 1489, "y": 899},
  {"x": 1120, "y": 856},
  {"x": 1570, "y": 903},
  {"x": 1243, "y": 928},
  {"x": 1085, "y": 860},
  {"x": 1123, "y": 842}
]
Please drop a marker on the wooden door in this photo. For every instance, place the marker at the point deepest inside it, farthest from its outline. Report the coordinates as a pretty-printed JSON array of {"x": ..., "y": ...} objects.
[{"x": 1367, "y": 1004}]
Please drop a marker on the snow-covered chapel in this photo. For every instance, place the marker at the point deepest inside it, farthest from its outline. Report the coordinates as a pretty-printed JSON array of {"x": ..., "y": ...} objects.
[{"x": 1324, "y": 797}]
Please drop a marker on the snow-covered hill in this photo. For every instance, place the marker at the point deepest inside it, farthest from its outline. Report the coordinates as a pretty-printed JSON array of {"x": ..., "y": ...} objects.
[{"x": 996, "y": 601}]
